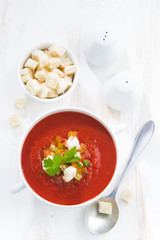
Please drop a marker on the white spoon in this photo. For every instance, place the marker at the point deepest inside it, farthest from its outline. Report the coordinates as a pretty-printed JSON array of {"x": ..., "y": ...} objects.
[{"x": 98, "y": 223}]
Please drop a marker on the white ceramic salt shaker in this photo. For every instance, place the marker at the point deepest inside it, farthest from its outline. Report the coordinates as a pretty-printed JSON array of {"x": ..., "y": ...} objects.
[
  {"x": 122, "y": 92},
  {"x": 102, "y": 47}
]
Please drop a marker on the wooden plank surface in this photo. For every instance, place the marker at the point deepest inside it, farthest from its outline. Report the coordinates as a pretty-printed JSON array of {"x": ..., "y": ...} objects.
[{"x": 26, "y": 23}]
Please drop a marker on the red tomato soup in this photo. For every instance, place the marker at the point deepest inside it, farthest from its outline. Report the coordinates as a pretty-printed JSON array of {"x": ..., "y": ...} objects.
[{"x": 99, "y": 151}]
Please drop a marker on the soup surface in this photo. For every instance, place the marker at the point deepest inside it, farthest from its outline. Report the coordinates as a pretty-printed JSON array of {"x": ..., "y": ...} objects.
[{"x": 98, "y": 159}]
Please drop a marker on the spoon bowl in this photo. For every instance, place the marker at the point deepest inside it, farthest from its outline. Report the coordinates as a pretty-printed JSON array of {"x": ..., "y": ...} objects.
[{"x": 98, "y": 223}]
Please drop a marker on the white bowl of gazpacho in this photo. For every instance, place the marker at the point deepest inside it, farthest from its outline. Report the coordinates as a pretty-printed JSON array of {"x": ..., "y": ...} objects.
[{"x": 68, "y": 157}]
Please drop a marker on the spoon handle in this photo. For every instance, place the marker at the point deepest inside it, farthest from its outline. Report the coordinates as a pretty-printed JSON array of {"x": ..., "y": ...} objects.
[{"x": 141, "y": 141}]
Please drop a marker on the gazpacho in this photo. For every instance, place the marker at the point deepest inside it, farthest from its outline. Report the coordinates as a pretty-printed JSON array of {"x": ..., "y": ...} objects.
[{"x": 68, "y": 158}]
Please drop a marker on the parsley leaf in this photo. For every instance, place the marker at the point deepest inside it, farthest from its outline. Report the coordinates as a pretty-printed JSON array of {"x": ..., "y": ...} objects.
[
  {"x": 52, "y": 170},
  {"x": 70, "y": 154},
  {"x": 47, "y": 163},
  {"x": 52, "y": 165},
  {"x": 73, "y": 159}
]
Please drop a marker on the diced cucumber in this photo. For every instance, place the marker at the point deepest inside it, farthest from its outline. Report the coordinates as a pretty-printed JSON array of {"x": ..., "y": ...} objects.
[
  {"x": 59, "y": 172},
  {"x": 80, "y": 165},
  {"x": 63, "y": 167},
  {"x": 52, "y": 154},
  {"x": 78, "y": 176},
  {"x": 53, "y": 148},
  {"x": 86, "y": 163}
]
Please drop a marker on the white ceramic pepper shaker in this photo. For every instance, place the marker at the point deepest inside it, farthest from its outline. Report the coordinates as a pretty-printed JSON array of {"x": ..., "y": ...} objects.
[
  {"x": 122, "y": 92},
  {"x": 102, "y": 47}
]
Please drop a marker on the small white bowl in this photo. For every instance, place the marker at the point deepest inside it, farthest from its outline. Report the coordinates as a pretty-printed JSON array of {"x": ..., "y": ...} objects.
[{"x": 41, "y": 47}]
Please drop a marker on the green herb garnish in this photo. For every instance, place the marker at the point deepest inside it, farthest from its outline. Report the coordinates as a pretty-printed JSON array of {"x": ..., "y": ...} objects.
[
  {"x": 69, "y": 156},
  {"x": 86, "y": 163},
  {"x": 80, "y": 165},
  {"x": 52, "y": 165}
]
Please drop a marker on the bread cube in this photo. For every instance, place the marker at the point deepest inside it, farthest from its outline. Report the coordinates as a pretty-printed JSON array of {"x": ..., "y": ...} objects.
[
  {"x": 65, "y": 61},
  {"x": 40, "y": 75},
  {"x": 126, "y": 195},
  {"x": 43, "y": 60},
  {"x": 56, "y": 50},
  {"x": 33, "y": 86},
  {"x": 68, "y": 79},
  {"x": 26, "y": 71},
  {"x": 53, "y": 93},
  {"x": 54, "y": 62},
  {"x": 61, "y": 86},
  {"x": 40, "y": 57},
  {"x": 26, "y": 78},
  {"x": 30, "y": 63},
  {"x": 41, "y": 68},
  {"x": 36, "y": 54},
  {"x": 19, "y": 102},
  {"x": 78, "y": 155},
  {"x": 105, "y": 207},
  {"x": 68, "y": 70},
  {"x": 59, "y": 72},
  {"x": 69, "y": 173},
  {"x": 52, "y": 80},
  {"x": 14, "y": 120},
  {"x": 72, "y": 142},
  {"x": 46, "y": 68},
  {"x": 44, "y": 91},
  {"x": 48, "y": 53}
]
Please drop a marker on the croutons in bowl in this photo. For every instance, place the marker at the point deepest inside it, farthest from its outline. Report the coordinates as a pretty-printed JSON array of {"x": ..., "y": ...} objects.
[{"x": 48, "y": 72}]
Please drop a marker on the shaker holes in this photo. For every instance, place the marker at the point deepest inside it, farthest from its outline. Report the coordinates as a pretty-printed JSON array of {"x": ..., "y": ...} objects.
[{"x": 105, "y": 37}]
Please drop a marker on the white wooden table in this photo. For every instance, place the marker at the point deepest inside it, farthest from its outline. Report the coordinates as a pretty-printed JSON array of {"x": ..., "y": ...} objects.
[{"x": 26, "y": 23}]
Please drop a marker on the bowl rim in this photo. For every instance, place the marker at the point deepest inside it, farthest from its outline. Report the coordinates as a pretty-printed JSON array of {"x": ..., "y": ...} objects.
[
  {"x": 69, "y": 109},
  {"x": 43, "y": 46}
]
